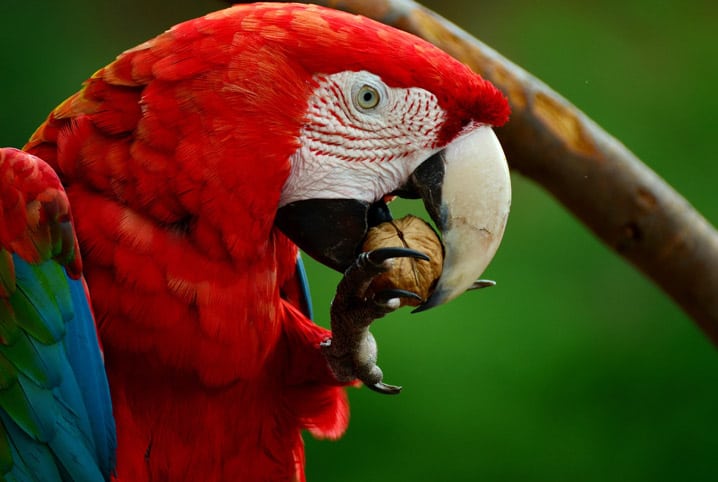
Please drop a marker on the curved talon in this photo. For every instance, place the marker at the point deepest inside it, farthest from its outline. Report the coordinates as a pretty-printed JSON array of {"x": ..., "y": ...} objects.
[
  {"x": 378, "y": 256},
  {"x": 384, "y": 388},
  {"x": 481, "y": 283},
  {"x": 351, "y": 351},
  {"x": 382, "y": 297}
]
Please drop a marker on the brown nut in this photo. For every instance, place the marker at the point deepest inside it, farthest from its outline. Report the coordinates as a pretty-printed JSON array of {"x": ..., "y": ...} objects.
[{"x": 408, "y": 274}]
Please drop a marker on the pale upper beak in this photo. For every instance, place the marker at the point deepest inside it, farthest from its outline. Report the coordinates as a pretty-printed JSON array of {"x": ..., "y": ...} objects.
[{"x": 471, "y": 211}]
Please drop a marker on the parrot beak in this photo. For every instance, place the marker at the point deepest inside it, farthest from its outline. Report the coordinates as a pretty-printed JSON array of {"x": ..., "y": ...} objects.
[
  {"x": 331, "y": 230},
  {"x": 466, "y": 190}
]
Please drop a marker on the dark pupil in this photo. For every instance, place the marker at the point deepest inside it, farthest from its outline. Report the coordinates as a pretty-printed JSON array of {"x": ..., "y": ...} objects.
[{"x": 368, "y": 96}]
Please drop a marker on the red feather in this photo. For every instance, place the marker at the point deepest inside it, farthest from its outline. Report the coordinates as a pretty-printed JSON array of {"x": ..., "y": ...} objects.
[{"x": 174, "y": 157}]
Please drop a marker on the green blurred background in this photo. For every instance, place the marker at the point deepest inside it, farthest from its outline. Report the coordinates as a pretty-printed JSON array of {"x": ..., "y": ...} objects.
[{"x": 575, "y": 367}]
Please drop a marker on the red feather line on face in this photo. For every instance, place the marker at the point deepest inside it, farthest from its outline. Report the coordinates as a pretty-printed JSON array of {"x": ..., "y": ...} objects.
[{"x": 333, "y": 129}]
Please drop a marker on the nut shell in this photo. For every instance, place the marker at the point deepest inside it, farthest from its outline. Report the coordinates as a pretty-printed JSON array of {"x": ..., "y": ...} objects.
[{"x": 409, "y": 274}]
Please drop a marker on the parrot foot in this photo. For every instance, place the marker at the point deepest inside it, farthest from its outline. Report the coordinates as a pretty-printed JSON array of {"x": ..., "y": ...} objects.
[{"x": 352, "y": 350}]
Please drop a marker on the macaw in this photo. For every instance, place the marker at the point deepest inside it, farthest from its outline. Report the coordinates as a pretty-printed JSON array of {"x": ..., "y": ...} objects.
[{"x": 195, "y": 165}]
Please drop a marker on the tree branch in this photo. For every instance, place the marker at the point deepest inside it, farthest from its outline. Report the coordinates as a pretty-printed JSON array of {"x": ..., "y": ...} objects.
[{"x": 597, "y": 178}]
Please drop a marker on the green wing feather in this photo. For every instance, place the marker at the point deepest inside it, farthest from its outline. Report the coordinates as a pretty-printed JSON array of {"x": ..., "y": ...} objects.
[{"x": 55, "y": 414}]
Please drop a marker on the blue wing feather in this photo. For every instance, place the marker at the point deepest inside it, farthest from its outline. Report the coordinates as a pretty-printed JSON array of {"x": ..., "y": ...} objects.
[
  {"x": 296, "y": 289},
  {"x": 31, "y": 461},
  {"x": 306, "y": 297},
  {"x": 83, "y": 352},
  {"x": 59, "y": 424}
]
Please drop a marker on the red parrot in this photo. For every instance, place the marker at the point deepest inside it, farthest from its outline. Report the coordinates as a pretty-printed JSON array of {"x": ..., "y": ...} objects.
[{"x": 198, "y": 162}]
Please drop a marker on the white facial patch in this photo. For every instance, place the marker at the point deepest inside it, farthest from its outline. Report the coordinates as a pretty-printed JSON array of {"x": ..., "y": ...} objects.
[{"x": 361, "y": 138}]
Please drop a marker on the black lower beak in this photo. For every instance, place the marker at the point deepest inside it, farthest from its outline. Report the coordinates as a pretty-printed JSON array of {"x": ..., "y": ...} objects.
[{"x": 331, "y": 230}]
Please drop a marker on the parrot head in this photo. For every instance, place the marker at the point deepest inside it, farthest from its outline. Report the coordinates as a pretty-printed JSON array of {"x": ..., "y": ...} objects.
[
  {"x": 389, "y": 114},
  {"x": 298, "y": 117}
]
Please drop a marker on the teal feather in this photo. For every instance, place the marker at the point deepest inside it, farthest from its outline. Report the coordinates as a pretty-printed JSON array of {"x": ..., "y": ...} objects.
[
  {"x": 6, "y": 455},
  {"x": 73, "y": 448},
  {"x": 83, "y": 352},
  {"x": 34, "y": 304},
  {"x": 31, "y": 461},
  {"x": 55, "y": 414},
  {"x": 37, "y": 362},
  {"x": 14, "y": 402}
]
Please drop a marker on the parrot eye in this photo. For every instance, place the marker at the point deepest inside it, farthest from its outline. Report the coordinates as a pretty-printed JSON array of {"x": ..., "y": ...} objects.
[{"x": 367, "y": 97}]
